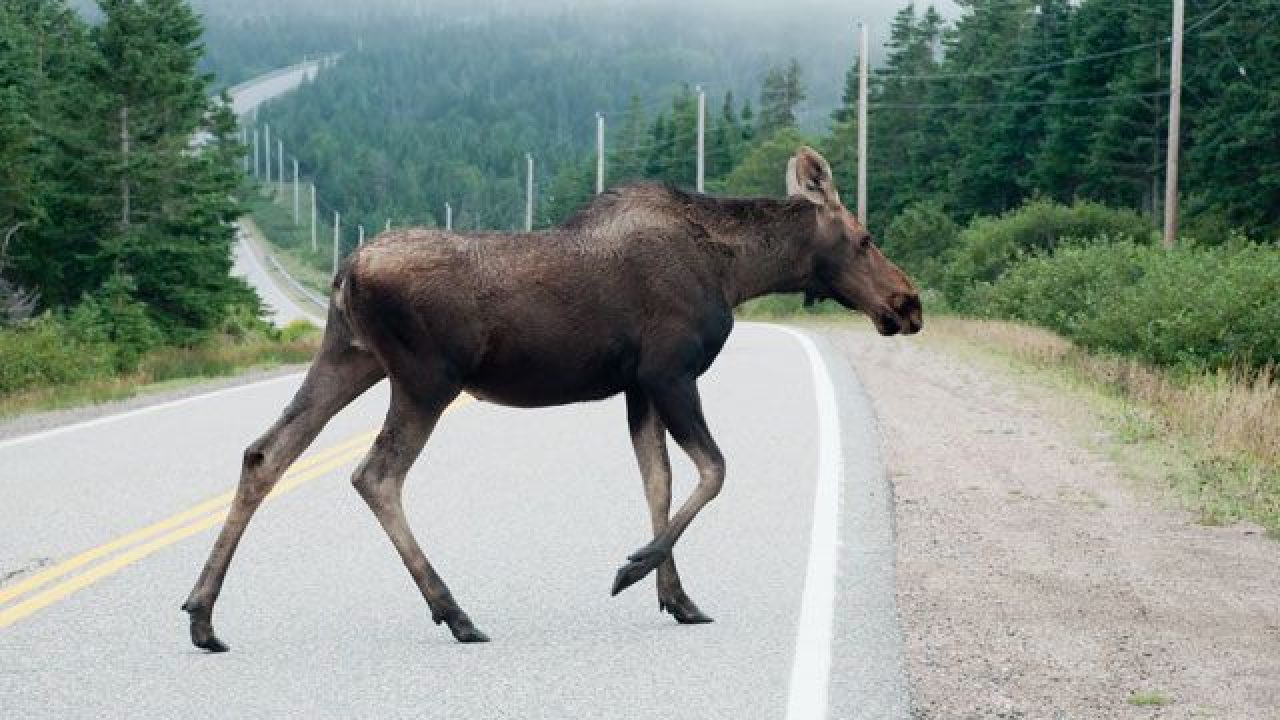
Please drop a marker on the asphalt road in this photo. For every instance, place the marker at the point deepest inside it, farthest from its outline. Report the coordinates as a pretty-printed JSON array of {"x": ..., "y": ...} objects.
[
  {"x": 281, "y": 309},
  {"x": 527, "y": 514}
]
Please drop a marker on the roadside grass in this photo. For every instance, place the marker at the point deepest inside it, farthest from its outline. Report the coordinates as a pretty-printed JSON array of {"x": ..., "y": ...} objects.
[
  {"x": 167, "y": 368},
  {"x": 1213, "y": 438},
  {"x": 1149, "y": 699}
]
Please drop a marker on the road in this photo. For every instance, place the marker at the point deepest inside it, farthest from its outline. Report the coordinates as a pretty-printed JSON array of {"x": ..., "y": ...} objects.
[
  {"x": 526, "y": 513},
  {"x": 249, "y": 263}
]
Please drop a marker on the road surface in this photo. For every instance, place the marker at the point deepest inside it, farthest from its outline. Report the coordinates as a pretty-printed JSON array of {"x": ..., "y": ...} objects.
[
  {"x": 527, "y": 514},
  {"x": 249, "y": 263}
]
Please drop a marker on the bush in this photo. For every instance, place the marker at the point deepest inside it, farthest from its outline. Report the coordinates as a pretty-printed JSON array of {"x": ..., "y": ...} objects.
[
  {"x": 1199, "y": 308},
  {"x": 989, "y": 246},
  {"x": 47, "y": 351},
  {"x": 917, "y": 241}
]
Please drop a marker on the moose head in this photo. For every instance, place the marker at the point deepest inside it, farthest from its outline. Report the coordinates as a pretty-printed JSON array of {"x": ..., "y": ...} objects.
[{"x": 848, "y": 267}]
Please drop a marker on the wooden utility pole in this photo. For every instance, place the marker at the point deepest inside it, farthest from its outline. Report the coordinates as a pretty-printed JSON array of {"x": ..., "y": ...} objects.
[
  {"x": 864, "y": 48},
  {"x": 337, "y": 223},
  {"x": 528, "y": 193},
  {"x": 702, "y": 138},
  {"x": 266, "y": 152},
  {"x": 314, "y": 247},
  {"x": 1175, "y": 121},
  {"x": 599, "y": 153}
]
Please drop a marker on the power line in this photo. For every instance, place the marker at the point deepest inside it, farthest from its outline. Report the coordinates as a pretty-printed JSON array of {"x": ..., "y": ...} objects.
[
  {"x": 1064, "y": 62},
  {"x": 1035, "y": 103}
]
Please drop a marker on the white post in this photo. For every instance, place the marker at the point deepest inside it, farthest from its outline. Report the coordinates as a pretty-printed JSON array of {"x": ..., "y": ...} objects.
[
  {"x": 599, "y": 153},
  {"x": 448, "y": 216},
  {"x": 314, "y": 248},
  {"x": 528, "y": 193},
  {"x": 702, "y": 138},
  {"x": 388, "y": 227},
  {"x": 360, "y": 242},
  {"x": 297, "y": 218},
  {"x": 266, "y": 153},
  {"x": 337, "y": 222},
  {"x": 280, "y": 161},
  {"x": 244, "y": 141},
  {"x": 255, "y": 153},
  {"x": 1175, "y": 122},
  {"x": 864, "y": 48}
]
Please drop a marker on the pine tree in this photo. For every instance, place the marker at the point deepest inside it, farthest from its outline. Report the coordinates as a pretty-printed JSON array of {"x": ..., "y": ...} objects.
[
  {"x": 780, "y": 93},
  {"x": 174, "y": 211}
]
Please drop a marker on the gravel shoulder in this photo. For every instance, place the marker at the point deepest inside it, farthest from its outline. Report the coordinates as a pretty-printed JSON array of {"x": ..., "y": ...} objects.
[{"x": 1033, "y": 579}]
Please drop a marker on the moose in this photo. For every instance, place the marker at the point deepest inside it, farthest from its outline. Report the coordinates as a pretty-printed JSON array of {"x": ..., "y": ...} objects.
[{"x": 634, "y": 295}]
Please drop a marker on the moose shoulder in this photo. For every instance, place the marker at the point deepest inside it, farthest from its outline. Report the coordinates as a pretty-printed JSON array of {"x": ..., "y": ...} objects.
[{"x": 634, "y": 295}]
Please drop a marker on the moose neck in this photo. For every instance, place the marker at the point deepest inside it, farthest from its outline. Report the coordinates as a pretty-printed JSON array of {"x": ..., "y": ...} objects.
[{"x": 769, "y": 242}]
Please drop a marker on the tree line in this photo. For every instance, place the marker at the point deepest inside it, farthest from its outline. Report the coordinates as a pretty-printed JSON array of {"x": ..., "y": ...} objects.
[{"x": 117, "y": 173}]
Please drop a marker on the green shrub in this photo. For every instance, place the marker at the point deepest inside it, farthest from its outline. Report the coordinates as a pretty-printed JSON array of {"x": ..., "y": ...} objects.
[
  {"x": 47, "y": 351},
  {"x": 297, "y": 330},
  {"x": 918, "y": 239},
  {"x": 1199, "y": 308},
  {"x": 989, "y": 246}
]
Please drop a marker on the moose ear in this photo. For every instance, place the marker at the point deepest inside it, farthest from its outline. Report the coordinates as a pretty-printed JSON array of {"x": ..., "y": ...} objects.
[{"x": 809, "y": 176}]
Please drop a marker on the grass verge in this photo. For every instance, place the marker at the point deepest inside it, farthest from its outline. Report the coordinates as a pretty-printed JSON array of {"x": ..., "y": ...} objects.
[{"x": 167, "y": 368}]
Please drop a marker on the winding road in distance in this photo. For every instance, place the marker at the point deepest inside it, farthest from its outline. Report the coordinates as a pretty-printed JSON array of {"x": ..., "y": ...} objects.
[{"x": 526, "y": 513}]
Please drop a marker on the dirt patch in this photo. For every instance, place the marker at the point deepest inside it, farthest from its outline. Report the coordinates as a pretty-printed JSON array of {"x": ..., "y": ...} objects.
[{"x": 1033, "y": 580}]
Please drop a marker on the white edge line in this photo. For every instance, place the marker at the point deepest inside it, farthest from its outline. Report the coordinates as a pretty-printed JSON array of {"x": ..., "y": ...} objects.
[
  {"x": 86, "y": 424},
  {"x": 807, "y": 698}
]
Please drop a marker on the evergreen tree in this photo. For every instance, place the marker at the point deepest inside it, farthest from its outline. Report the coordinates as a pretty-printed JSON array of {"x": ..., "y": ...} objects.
[
  {"x": 173, "y": 207},
  {"x": 780, "y": 92}
]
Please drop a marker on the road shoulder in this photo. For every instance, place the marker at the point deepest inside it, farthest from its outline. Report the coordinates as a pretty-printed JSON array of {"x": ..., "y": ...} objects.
[{"x": 1033, "y": 580}]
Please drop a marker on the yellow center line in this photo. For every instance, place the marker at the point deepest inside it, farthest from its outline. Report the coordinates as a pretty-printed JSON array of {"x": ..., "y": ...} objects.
[{"x": 188, "y": 523}]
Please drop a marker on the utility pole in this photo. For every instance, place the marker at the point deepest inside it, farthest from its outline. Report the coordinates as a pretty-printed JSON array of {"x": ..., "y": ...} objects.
[
  {"x": 864, "y": 49},
  {"x": 1175, "y": 121},
  {"x": 702, "y": 138},
  {"x": 448, "y": 217},
  {"x": 279, "y": 162},
  {"x": 528, "y": 192},
  {"x": 337, "y": 223},
  {"x": 266, "y": 152},
  {"x": 255, "y": 153},
  {"x": 244, "y": 142},
  {"x": 599, "y": 153},
  {"x": 314, "y": 248},
  {"x": 297, "y": 218}
]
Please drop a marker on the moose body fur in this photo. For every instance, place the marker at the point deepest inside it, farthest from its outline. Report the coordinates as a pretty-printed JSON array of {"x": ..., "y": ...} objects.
[{"x": 634, "y": 295}]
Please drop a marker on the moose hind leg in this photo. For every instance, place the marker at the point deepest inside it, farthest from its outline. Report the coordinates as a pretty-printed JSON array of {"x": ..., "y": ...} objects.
[
  {"x": 649, "y": 440},
  {"x": 680, "y": 409},
  {"x": 380, "y": 481},
  {"x": 338, "y": 376}
]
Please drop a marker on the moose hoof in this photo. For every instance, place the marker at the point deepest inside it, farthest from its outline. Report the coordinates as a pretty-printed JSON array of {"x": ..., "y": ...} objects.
[
  {"x": 460, "y": 625},
  {"x": 202, "y": 631},
  {"x": 642, "y": 562},
  {"x": 684, "y": 610}
]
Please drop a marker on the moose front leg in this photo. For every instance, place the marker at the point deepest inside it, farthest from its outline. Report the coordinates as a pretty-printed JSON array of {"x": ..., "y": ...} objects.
[
  {"x": 649, "y": 440},
  {"x": 680, "y": 409}
]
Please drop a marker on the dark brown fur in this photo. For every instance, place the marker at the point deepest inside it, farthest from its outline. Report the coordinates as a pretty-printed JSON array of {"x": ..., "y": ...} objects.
[{"x": 634, "y": 295}]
